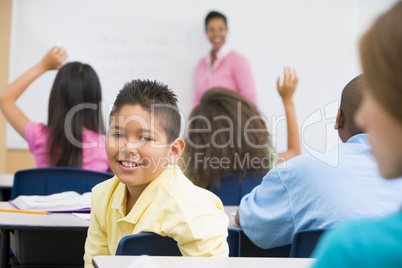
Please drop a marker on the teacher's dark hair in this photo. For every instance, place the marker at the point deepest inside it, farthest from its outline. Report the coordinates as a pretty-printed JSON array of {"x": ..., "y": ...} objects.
[
  {"x": 213, "y": 15},
  {"x": 75, "y": 84}
]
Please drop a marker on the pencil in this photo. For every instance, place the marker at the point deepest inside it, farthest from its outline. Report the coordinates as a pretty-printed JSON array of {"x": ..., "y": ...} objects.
[{"x": 23, "y": 211}]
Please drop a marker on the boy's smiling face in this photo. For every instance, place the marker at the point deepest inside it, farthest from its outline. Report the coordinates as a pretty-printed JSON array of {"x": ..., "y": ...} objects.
[{"x": 137, "y": 147}]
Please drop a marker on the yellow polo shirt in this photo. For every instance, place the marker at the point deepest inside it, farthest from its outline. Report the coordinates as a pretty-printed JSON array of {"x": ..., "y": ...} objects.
[{"x": 171, "y": 205}]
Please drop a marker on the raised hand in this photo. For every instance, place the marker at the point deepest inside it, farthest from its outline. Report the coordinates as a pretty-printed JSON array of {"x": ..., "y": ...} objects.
[
  {"x": 288, "y": 88},
  {"x": 286, "y": 91},
  {"x": 54, "y": 59}
]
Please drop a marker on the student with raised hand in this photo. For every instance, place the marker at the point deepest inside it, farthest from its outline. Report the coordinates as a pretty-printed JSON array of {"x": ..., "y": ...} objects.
[
  {"x": 376, "y": 242},
  {"x": 226, "y": 135},
  {"x": 75, "y": 96},
  {"x": 286, "y": 91},
  {"x": 149, "y": 192},
  {"x": 222, "y": 67},
  {"x": 318, "y": 193}
]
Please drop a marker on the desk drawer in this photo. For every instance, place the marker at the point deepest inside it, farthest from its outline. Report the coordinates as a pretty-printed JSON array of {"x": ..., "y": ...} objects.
[{"x": 49, "y": 247}]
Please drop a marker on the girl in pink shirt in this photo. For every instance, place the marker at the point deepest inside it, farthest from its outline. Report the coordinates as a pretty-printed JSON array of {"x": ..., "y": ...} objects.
[
  {"x": 74, "y": 135},
  {"x": 222, "y": 67}
]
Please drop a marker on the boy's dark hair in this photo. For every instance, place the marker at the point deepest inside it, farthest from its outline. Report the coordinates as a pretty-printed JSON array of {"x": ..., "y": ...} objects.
[
  {"x": 157, "y": 99},
  {"x": 213, "y": 15},
  {"x": 351, "y": 100}
]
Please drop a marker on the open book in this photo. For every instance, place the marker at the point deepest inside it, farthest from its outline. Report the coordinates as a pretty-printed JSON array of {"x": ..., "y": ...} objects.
[{"x": 60, "y": 202}]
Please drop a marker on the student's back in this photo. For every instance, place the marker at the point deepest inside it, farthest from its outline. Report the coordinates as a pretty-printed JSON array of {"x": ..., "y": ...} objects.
[
  {"x": 309, "y": 192},
  {"x": 74, "y": 135},
  {"x": 228, "y": 142},
  {"x": 93, "y": 157}
]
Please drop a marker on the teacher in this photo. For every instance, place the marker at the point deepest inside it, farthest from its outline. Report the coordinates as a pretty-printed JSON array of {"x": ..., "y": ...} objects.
[{"x": 222, "y": 67}]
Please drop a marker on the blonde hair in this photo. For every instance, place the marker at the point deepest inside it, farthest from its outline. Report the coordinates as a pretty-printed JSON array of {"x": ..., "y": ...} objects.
[{"x": 381, "y": 57}]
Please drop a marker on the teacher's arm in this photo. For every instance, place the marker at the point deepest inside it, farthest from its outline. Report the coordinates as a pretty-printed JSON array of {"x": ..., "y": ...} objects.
[
  {"x": 244, "y": 78},
  {"x": 199, "y": 81}
]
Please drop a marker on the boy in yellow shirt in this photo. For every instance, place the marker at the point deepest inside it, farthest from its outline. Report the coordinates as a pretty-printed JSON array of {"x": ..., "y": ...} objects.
[{"x": 149, "y": 193}]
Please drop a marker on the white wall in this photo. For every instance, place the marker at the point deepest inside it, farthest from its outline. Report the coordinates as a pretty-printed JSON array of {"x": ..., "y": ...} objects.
[{"x": 163, "y": 40}]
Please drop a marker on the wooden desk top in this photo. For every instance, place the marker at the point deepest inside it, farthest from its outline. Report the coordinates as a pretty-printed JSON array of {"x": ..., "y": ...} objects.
[
  {"x": 197, "y": 262},
  {"x": 21, "y": 221}
]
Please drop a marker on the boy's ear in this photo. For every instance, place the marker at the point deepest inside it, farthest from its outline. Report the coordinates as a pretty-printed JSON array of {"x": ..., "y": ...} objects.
[
  {"x": 339, "y": 120},
  {"x": 176, "y": 149}
]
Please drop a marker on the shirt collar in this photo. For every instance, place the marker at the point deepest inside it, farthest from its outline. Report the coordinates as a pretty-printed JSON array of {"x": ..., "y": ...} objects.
[
  {"x": 359, "y": 138},
  {"x": 119, "y": 197},
  {"x": 222, "y": 52},
  {"x": 146, "y": 197}
]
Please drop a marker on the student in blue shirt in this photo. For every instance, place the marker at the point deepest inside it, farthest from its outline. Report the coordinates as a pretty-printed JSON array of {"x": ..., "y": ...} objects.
[
  {"x": 309, "y": 193},
  {"x": 378, "y": 242}
]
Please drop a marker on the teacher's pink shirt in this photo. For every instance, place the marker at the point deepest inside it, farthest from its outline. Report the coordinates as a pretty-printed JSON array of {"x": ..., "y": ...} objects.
[
  {"x": 93, "y": 152},
  {"x": 231, "y": 70}
]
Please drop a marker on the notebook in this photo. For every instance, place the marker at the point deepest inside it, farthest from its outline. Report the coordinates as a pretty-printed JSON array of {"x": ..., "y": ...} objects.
[{"x": 60, "y": 202}]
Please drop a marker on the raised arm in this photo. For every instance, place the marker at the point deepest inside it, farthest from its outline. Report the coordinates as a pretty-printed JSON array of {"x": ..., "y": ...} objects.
[
  {"x": 286, "y": 91},
  {"x": 51, "y": 61}
]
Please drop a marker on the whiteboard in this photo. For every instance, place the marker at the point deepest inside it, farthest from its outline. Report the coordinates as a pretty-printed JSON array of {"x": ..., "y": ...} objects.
[{"x": 163, "y": 40}]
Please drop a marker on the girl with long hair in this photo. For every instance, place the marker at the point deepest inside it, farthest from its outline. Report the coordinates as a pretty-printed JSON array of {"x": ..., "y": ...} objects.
[{"x": 74, "y": 135}]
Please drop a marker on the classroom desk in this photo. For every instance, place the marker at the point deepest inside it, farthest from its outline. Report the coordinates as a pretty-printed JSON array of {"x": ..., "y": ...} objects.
[
  {"x": 62, "y": 234},
  {"x": 6, "y": 183},
  {"x": 198, "y": 262},
  {"x": 66, "y": 234}
]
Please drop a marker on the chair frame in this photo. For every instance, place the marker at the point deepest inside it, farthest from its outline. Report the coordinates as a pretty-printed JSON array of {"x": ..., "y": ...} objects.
[
  {"x": 304, "y": 242},
  {"x": 144, "y": 244},
  {"x": 148, "y": 244}
]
